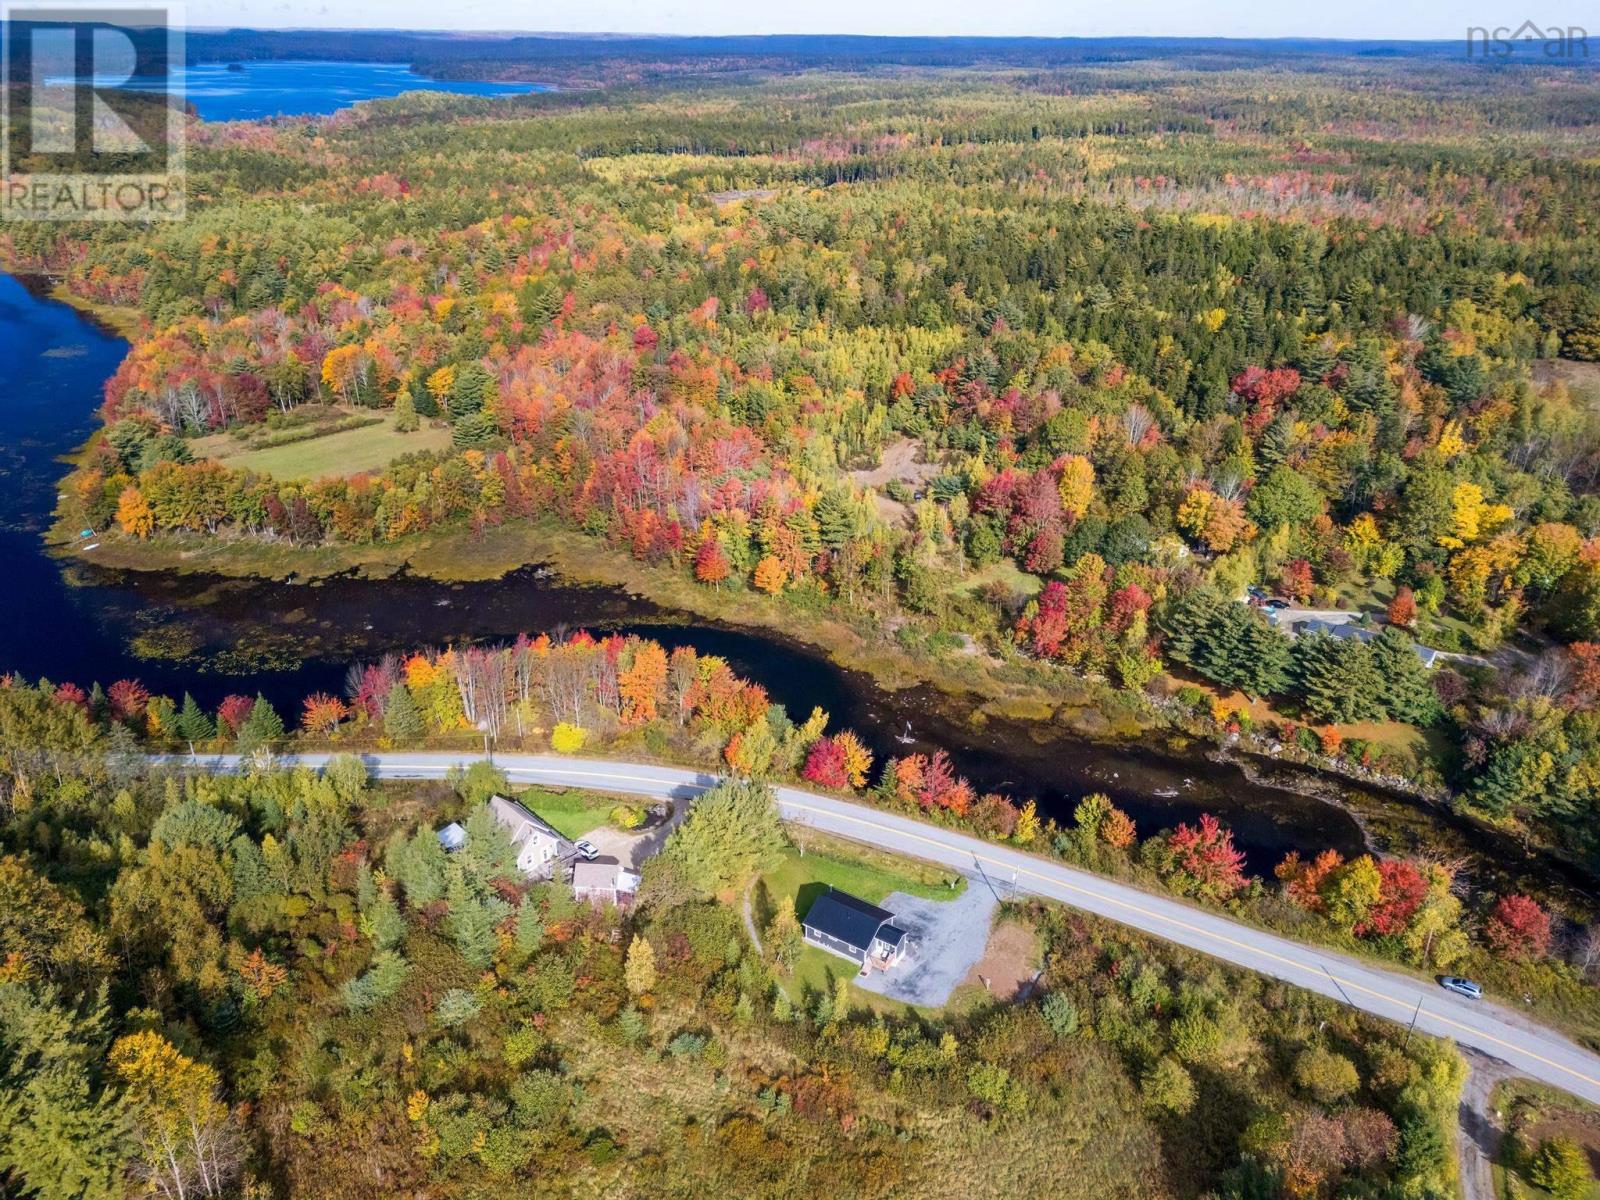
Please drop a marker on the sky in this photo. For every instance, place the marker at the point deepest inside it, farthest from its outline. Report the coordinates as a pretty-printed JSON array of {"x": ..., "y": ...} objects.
[{"x": 1399, "y": 19}]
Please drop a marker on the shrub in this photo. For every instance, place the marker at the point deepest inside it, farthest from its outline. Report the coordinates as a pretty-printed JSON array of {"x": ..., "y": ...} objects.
[
  {"x": 1196, "y": 1038},
  {"x": 1562, "y": 1169},
  {"x": 382, "y": 980},
  {"x": 1060, "y": 1014},
  {"x": 456, "y": 1007},
  {"x": 1518, "y": 928},
  {"x": 1326, "y": 1075},
  {"x": 627, "y": 816},
  {"x": 1167, "y": 1085},
  {"x": 567, "y": 738},
  {"x": 687, "y": 1045}
]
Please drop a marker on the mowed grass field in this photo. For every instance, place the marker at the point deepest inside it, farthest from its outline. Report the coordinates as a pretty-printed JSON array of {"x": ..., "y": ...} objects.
[
  {"x": 570, "y": 813},
  {"x": 345, "y": 453}
]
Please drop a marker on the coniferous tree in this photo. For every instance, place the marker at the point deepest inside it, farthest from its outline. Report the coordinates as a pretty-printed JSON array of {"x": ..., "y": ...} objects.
[
  {"x": 1336, "y": 678},
  {"x": 61, "y": 1137},
  {"x": 402, "y": 719},
  {"x": 1408, "y": 692},
  {"x": 193, "y": 723},
  {"x": 262, "y": 728},
  {"x": 405, "y": 413}
]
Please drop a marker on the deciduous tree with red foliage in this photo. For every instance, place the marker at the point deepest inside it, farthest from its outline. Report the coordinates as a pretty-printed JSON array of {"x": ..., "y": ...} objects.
[
  {"x": 235, "y": 711},
  {"x": 825, "y": 765},
  {"x": 1295, "y": 579},
  {"x": 928, "y": 782},
  {"x": 1403, "y": 889},
  {"x": 1403, "y": 608},
  {"x": 128, "y": 699},
  {"x": 710, "y": 563},
  {"x": 1210, "y": 865},
  {"x": 1518, "y": 928},
  {"x": 71, "y": 693}
]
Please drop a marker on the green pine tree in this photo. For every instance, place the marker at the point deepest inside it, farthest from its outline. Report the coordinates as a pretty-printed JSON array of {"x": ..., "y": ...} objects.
[
  {"x": 58, "y": 1139},
  {"x": 405, "y": 413},
  {"x": 1407, "y": 686},
  {"x": 402, "y": 719},
  {"x": 262, "y": 727},
  {"x": 528, "y": 933},
  {"x": 1336, "y": 678},
  {"x": 193, "y": 723},
  {"x": 472, "y": 923}
]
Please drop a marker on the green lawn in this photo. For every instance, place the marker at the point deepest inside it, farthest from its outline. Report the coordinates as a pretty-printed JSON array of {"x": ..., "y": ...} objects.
[
  {"x": 571, "y": 814},
  {"x": 346, "y": 453},
  {"x": 1004, "y": 571},
  {"x": 869, "y": 874}
]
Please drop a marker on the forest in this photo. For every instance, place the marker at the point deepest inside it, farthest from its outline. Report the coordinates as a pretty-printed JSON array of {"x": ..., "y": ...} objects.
[
  {"x": 1064, "y": 368},
  {"x": 279, "y": 984},
  {"x": 1049, "y": 366}
]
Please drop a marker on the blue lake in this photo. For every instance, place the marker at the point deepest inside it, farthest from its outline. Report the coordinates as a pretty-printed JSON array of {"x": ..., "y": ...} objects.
[{"x": 291, "y": 89}]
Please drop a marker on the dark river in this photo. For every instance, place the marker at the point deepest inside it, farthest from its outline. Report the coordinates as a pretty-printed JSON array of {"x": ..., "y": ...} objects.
[{"x": 70, "y": 620}]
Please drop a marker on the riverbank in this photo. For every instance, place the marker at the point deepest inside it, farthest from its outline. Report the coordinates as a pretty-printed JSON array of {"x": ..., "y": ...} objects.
[
  {"x": 123, "y": 321},
  {"x": 989, "y": 687},
  {"x": 1016, "y": 725}
]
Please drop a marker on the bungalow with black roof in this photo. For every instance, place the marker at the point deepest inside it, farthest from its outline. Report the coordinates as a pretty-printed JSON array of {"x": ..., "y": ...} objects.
[{"x": 851, "y": 928}]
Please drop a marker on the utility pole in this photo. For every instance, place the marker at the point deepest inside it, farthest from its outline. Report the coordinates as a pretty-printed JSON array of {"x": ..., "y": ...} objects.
[{"x": 1414, "y": 1015}]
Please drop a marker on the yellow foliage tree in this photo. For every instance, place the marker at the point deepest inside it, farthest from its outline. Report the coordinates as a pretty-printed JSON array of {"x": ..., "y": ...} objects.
[
  {"x": 185, "y": 1138},
  {"x": 133, "y": 513},
  {"x": 1027, "y": 830},
  {"x": 771, "y": 575},
  {"x": 1077, "y": 484},
  {"x": 440, "y": 383},
  {"x": 1473, "y": 518},
  {"x": 639, "y": 971},
  {"x": 857, "y": 758},
  {"x": 1193, "y": 511},
  {"x": 1451, "y": 443}
]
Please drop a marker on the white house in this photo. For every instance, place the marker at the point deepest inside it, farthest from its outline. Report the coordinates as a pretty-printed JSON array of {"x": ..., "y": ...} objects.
[
  {"x": 538, "y": 845},
  {"x": 605, "y": 881}
]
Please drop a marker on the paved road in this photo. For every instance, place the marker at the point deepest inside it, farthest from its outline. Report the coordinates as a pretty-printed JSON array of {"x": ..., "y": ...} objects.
[{"x": 1532, "y": 1050}]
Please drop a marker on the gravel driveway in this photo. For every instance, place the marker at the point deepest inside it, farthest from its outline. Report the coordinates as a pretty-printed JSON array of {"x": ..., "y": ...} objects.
[
  {"x": 948, "y": 937},
  {"x": 631, "y": 849}
]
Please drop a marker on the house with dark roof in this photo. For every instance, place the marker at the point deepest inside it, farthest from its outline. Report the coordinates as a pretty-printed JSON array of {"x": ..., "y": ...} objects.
[
  {"x": 851, "y": 928},
  {"x": 1354, "y": 632}
]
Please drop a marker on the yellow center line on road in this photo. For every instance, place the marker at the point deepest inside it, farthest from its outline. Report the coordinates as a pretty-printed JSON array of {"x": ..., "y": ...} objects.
[{"x": 1149, "y": 914}]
